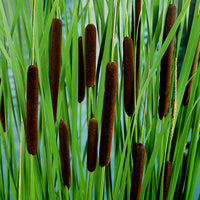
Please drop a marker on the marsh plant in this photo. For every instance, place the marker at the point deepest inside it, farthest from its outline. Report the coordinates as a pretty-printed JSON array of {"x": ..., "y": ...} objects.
[{"x": 97, "y": 101}]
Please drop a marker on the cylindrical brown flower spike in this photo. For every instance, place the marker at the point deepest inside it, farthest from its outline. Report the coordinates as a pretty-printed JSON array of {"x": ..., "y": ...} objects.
[
  {"x": 166, "y": 64},
  {"x": 92, "y": 144},
  {"x": 55, "y": 62},
  {"x": 32, "y": 110},
  {"x": 64, "y": 153},
  {"x": 167, "y": 178},
  {"x": 81, "y": 72},
  {"x": 138, "y": 168},
  {"x": 189, "y": 85},
  {"x": 2, "y": 113},
  {"x": 108, "y": 114},
  {"x": 136, "y": 35},
  {"x": 90, "y": 54},
  {"x": 128, "y": 75}
]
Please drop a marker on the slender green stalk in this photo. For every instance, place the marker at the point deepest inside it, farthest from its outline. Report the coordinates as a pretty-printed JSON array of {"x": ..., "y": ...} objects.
[
  {"x": 66, "y": 193},
  {"x": 90, "y": 11},
  {"x": 19, "y": 187},
  {"x": 102, "y": 183},
  {"x": 32, "y": 183},
  {"x": 90, "y": 185},
  {"x": 126, "y": 17},
  {"x": 33, "y": 44}
]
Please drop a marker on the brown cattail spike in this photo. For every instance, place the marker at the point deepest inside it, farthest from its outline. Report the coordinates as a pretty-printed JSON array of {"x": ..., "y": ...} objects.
[
  {"x": 167, "y": 178},
  {"x": 81, "y": 72},
  {"x": 136, "y": 26},
  {"x": 55, "y": 62},
  {"x": 92, "y": 144},
  {"x": 90, "y": 54},
  {"x": 128, "y": 75},
  {"x": 64, "y": 153},
  {"x": 32, "y": 110},
  {"x": 2, "y": 113},
  {"x": 138, "y": 168},
  {"x": 166, "y": 64},
  {"x": 108, "y": 113},
  {"x": 189, "y": 85}
]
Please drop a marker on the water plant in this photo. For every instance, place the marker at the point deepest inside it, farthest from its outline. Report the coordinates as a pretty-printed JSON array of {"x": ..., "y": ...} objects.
[{"x": 101, "y": 98}]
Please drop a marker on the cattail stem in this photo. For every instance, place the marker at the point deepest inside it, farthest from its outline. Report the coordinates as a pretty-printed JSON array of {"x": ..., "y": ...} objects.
[
  {"x": 102, "y": 182},
  {"x": 90, "y": 11},
  {"x": 33, "y": 44},
  {"x": 126, "y": 17},
  {"x": 113, "y": 38},
  {"x": 20, "y": 160},
  {"x": 32, "y": 185},
  {"x": 90, "y": 185},
  {"x": 66, "y": 193}
]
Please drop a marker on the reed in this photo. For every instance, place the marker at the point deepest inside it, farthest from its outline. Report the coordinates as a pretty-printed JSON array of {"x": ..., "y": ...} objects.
[
  {"x": 128, "y": 64},
  {"x": 108, "y": 114},
  {"x": 136, "y": 26},
  {"x": 2, "y": 113},
  {"x": 55, "y": 62},
  {"x": 186, "y": 96},
  {"x": 32, "y": 110},
  {"x": 64, "y": 153},
  {"x": 92, "y": 144},
  {"x": 166, "y": 64},
  {"x": 81, "y": 71},
  {"x": 90, "y": 55},
  {"x": 138, "y": 168}
]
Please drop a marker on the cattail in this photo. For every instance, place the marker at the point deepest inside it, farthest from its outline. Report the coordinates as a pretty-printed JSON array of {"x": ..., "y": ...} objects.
[
  {"x": 138, "y": 168},
  {"x": 166, "y": 64},
  {"x": 128, "y": 75},
  {"x": 92, "y": 144},
  {"x": 189, "y": 85},
  {"x": 2, "y": 113},
  {"x": 90, "y": 54},
  {"x": 55, "y": 62},
  {"x": 136, "y": 26},
  {"x": 81, "y": 72},
  {"x": 108, "y": 113},
  {"x": 32, "y": 110},
  {"x": 167, "y": 178},
  {"x": 64, "y": 153}
]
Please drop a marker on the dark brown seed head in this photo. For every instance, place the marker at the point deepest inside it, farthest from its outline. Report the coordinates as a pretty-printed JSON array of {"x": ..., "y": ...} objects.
[
  {"x": 90, "y": 54},
  {"x": 32, "y": 110},
  {"x": 2, "y": 113},
  {"x": 64, "y": 153},
  {"x": 138, "y": 168},
  {"x": 189, "y": 85},
  {"x": 81, "y": 72},
  {"x": 128, "y": 75},
  {"x": 167, "y": 178},
  {"x": 92, "y": 144},
  {"x": 108, "y": 114},
  {"x": 55, "y": 62},
  {"x": 166, "y": 64}
]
